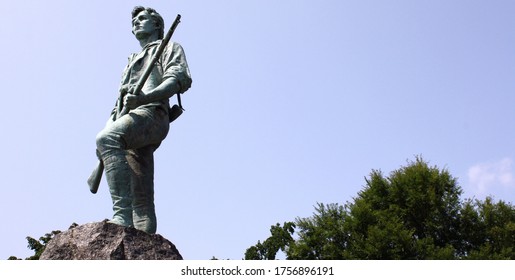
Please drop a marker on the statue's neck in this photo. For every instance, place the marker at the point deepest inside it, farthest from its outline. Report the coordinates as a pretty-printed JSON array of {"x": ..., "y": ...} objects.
[{"x": 147, "y": 39}]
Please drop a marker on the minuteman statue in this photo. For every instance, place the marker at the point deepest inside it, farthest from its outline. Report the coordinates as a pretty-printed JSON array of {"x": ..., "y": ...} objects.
[{"x": 140, "y": 122}]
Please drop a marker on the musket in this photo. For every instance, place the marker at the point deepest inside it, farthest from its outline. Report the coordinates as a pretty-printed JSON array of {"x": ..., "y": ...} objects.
[{"x": 96, "y": 176}]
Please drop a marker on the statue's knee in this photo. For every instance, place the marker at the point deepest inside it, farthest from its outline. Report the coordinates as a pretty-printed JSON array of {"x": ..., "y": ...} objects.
[
  {"x": 108, "y": 141},
  {"x": 101, "y": 139}
]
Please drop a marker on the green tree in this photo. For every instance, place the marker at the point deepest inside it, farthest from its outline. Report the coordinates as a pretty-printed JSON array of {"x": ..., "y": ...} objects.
[
  {"x": 38, "y": 246},
  {"x": 488, "y": 229},
  {"x": 414, "y": 213},
  {"x": 322, "y": 236},
  {"x": 411, "y": 214},
  {"x": 280, "y": 239}
]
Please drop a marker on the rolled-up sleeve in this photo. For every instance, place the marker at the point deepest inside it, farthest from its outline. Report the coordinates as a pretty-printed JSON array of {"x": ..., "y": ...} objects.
[{"x": 176, "y": 67}]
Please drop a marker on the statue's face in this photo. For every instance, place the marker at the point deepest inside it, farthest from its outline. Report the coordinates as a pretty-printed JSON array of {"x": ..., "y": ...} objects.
[{"x": 143, "y": 25}]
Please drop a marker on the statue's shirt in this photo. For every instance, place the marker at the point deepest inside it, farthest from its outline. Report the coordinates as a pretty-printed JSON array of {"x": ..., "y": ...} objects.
[{"x": 171, "y": 65}]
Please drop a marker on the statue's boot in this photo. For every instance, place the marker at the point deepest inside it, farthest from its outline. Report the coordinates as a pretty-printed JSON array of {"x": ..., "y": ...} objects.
[
  {"x": 145, "y": 219},
  {"x": 142, "y": 164},
  {"x": 118, "y": 176}
]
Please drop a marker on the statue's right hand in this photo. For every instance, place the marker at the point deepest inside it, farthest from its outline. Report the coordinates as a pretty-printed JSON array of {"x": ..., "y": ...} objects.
[{"x": 131, "y": 101}]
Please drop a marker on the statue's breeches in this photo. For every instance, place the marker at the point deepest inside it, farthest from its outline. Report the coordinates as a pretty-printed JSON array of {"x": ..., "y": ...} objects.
[{"x": 126, "y": 146}]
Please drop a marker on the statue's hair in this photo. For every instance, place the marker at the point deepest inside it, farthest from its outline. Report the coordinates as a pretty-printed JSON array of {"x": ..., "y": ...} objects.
[{"x": 158, "y": 19}]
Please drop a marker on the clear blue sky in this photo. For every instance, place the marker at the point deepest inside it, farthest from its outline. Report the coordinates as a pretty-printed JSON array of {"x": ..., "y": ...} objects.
[{"x": 292, "y": 103}]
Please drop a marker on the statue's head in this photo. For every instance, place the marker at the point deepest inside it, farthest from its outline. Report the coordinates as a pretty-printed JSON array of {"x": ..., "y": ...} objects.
[{"x": 157, "y": 21}]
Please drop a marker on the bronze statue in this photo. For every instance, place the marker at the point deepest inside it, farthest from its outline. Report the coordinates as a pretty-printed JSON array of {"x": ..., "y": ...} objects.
[{"x": 140, "y": 121}]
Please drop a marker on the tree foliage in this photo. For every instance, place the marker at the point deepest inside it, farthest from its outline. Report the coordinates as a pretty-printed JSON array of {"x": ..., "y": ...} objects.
[
  {"x": 411, "y": 214},
  {"x": 488, "y": 229},
  {"x": 38, "y": 245},
  {"x": 280, "y": 238},
  {"x": 414, "y": 213},
  {"x": 320, "y": 236}
]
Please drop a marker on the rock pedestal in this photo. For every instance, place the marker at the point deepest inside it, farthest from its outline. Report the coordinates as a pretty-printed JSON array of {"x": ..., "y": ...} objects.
[{"x": 106, "y": 241}]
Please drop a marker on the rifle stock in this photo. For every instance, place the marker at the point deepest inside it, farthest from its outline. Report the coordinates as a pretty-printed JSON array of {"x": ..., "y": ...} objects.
[{"x": 95, "y": 177}]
